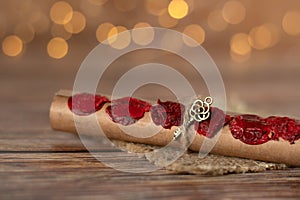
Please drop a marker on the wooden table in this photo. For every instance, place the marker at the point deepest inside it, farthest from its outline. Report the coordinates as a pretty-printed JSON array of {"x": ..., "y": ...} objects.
[{"x": 39, "y": 163}]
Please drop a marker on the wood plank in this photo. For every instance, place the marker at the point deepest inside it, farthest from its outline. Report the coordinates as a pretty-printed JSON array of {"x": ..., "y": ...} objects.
[
  {"x": 40, "y": 163},
  {"x": 74, "y": 175},
  {"x": 40, "y": 139}
]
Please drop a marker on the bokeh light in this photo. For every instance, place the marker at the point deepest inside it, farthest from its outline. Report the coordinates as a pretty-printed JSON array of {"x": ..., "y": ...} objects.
[
  {"x": 156, "y": 7},
  {"x": 102, "y": 31},
  {"x": 29, "y": 20},
  {"x": 143, "y": 33},
  {"x": 178, "y": 9},
  {"x": 125, "y": 6},
  {"x": 216, "y": 21},
  {"x": 25, "y": 31},
  {"x": 61, "y": 12},
  {"x": 60, "y": 31},
  {"x": 264, "y": 36},
  {"x": 57, "y": 48},
  {"x": 275, "y": 34},
  {"x": 165, "y": 20},
  {"x": 290, "y": 23},
  {"x": 239, "y": 44},
  {"x": 240, "y": 58},
  {"x": 195, "y": 32},
  {"x": 234, "y": 12},
  {"x": 12, "y": 45},
  {"x": 76, "y": 24},
  {"x": 119, "y": 37}
]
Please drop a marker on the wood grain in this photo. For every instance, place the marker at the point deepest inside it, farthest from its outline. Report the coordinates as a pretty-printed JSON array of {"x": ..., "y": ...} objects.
[
  {"x": 74, "y": 175},
  {"x": 38, "y": 163}
]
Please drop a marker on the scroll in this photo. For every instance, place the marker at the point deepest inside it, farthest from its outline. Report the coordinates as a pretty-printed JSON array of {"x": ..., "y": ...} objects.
[{"x": 274, "y": 139}]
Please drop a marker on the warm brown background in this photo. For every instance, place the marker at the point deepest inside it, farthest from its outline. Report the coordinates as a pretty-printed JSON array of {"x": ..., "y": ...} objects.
[{"x": 37, "y": 162}]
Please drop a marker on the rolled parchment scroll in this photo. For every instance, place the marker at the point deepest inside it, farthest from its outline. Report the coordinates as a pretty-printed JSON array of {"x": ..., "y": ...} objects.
[{"x": 280, "y": 150}]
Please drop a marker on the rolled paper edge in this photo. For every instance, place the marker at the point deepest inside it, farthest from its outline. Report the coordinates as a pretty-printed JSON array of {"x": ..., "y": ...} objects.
[{"x": 62, "y": 119}]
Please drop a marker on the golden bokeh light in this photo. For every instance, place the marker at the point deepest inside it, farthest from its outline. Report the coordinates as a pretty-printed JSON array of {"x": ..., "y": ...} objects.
[
  {"x": 275, "y": 32},
  {"x": 61, "y": 12},
  {"x": 239, "y": 44},
  {"x": 142, "y": 25},
  {"x": 290, "y": 23},
  {"x": 240, "y": 58},
  {"x": 165, "y": 20},
  {"x": 119, "y": 37},
  {"x": 77, "y": 23},
  {"x": 143, "y": 33},
  {"x": 178, "y": 9},
  {"x": 57, "y": 48},
  {"x": 216, "y": 21},
  {"x": 195, "y": 33},
  {"x": 102, "y": 32},
  {"x": 97, "y": 2},
  {"x": 264, "y": 36},
  {"x": 60, "y": 31},
  {"x": 125, "y": 6},
  {"x": 156, "y": 7},
  {"x": 25, "y": 31},
  {"x": 12, "y": 45},
  {"x": 234, "y": 12}
]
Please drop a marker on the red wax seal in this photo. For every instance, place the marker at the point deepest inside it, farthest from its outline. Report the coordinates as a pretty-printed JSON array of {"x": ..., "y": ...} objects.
[
  {"x": 283, "y": 127},
  {"x": 249, "y": 129},
  {"x": 252, "y": 129},
  {"x": 127, "y": 110},
  {"x": 167, "y": 114},
  {"x": 213, "y": 124},
  {"x": 85, "y": 104}
]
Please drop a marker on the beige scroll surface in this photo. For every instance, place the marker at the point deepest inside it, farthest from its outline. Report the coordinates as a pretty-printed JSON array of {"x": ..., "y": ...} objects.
[{"x": 281, "y": 151}]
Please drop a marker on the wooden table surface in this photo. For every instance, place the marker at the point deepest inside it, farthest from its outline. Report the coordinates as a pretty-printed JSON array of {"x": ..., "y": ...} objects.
[{"x": 39, "y": 163}]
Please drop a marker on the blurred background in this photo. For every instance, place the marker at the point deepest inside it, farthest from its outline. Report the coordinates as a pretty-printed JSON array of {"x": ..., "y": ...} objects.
[{"x": 255, "y": 44}]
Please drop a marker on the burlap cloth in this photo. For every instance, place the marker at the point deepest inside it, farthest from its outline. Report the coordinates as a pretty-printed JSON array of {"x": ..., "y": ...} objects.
[{"x": 190, "y": 163}]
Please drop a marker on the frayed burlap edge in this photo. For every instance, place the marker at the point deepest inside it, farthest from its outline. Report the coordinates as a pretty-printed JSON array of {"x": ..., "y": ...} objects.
[{"x": 190, "y": 163}]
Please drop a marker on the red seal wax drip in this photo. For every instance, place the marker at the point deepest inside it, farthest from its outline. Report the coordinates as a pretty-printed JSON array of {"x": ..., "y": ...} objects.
[
  {"x": 249, "y": 129},
  {"x": 167, "y": 114},
  {"x": 213, "y": 124},
  {"x": 252, "y": 129},
  {"x": 86, "y": 104},
  {"x": 127, "y": 110},
  {"x": 283, "y": 127}
]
